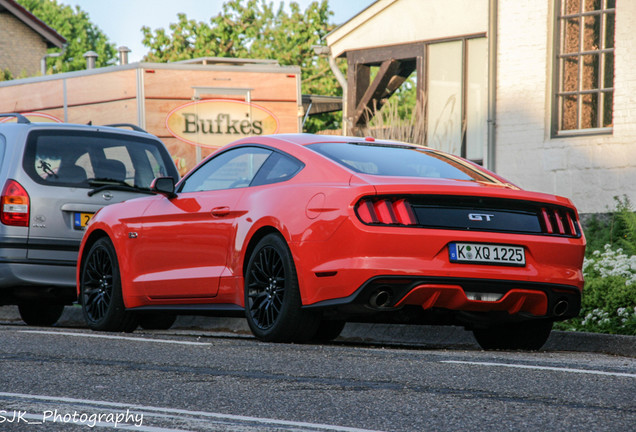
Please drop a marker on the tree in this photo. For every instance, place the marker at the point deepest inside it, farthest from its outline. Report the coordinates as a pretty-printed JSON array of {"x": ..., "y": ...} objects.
[
  {"x": 254, "y": 29},
  {"x": 80, "y": 33},
  {"x": 5, "y": 75}
]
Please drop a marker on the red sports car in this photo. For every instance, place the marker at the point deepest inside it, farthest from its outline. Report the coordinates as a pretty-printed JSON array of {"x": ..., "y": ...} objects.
[{"x": 302, "y": 233}]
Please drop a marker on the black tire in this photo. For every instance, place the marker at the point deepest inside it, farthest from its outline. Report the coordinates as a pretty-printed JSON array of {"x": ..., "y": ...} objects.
[
  {"x": 328, "y": 330},
  {"x": 156, "y": 320},
  {"x": 272, "y": 298},
  {"x": 40, "y": 314},
  {"x": 529, "y": 336},
  {"x": 100, "y": 290}
]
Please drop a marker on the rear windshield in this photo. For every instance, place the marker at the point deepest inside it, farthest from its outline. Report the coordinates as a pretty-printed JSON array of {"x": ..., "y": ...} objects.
[
  {"x": 77, "y": 158},
  {"x": 401, "y": 161}
]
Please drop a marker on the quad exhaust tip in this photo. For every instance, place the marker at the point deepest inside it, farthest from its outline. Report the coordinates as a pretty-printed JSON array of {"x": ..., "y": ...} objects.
[
  {"x": 560, "y": 308},
  {"x": 380, "y": 299}
]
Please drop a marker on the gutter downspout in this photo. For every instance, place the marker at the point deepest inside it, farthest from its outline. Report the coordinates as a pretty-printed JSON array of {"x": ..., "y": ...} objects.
[
  {"x": 343, "y": 83},
  {"x": 325, "y": 50},
  {"x": 492, "y": 84}
]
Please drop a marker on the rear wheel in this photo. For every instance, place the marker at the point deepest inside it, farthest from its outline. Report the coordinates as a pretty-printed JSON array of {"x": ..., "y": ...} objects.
[
  {"x": 328, "y": 330},
  {"x": 40, "y": 314},
  {"x": 272, "y": 298},
  {"x": 156, "y": 320},
  {"x": 529, "y": 335},
  {"x": 100, "y": 290}
]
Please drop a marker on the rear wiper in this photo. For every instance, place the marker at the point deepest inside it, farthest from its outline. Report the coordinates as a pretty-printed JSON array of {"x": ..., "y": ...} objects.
[{"x": 113, "y": 184}]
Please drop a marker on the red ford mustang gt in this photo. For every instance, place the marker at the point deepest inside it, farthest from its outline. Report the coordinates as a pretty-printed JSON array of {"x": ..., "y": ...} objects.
[{"x": 301, "y": 233}]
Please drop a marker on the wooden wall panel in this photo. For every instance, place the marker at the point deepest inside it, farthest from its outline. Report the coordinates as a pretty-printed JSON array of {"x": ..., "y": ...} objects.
[
  {"x": 177, "y": 84},
  {"x": 111, "y": 97},
  {"x": 102, "y": 87},
  {"x": 184, "y": 155},
  {"x": 32, "y": 97},
  {"x": 124, "y": 111}
]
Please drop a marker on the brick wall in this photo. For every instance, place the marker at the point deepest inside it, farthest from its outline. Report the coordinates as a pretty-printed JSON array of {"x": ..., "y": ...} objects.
[
  {"x": 20, "y": 47},
  {"x": 591, "y": 169}
]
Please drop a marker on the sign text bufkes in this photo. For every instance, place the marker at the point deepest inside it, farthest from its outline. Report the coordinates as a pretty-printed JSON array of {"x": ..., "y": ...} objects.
[{"x": 216, "y": 122}]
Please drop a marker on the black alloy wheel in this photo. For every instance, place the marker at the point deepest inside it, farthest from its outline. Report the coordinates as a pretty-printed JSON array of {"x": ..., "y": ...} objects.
[
  {"x": 100, "y": 290},
  {"x": 272, "y": 298},
  {"x": 527, "y": 335},
  {"x": 267, "y": 288}
]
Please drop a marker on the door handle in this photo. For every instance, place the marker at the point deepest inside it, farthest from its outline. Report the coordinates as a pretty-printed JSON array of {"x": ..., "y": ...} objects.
[{"x": 220, "y": 211}]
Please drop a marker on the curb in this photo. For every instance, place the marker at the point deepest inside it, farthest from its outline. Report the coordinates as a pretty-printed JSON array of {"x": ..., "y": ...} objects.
[{"x": 432, "y": 337}]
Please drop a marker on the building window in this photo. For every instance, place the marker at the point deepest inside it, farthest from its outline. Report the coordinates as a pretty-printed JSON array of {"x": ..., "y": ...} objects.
[
  {"x": 457, "y": 101},
  {"x": 585, "y": 66}
]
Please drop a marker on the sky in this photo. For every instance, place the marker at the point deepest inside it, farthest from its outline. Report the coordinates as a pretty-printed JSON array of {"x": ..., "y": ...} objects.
[{"x": 121, "y": 20}]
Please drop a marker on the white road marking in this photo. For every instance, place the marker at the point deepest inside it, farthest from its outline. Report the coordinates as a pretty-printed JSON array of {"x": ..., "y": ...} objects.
[
  {"x": 550, "y": 368},
  {"x": 100, "y": 336},
  {"x": 173, "y": 413}
]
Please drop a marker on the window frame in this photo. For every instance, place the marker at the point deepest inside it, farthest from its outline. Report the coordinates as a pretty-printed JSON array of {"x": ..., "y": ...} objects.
[
  {"x": 559, "y": 60},
  {"x": 464, "y": 92},
  {"x": 258, "y": 178}
]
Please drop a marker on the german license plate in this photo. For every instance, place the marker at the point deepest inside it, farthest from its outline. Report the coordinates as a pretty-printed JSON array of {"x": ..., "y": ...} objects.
[
  {"x": 487, "y": 254},
  {"x": 80, "y": 220}
]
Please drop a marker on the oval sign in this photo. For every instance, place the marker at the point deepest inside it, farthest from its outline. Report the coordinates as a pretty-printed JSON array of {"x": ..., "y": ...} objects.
[{"x": 216, "y": 122}]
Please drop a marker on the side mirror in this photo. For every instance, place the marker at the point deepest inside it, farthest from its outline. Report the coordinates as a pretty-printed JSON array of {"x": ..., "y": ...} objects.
[{"x": 164, "y": 186}]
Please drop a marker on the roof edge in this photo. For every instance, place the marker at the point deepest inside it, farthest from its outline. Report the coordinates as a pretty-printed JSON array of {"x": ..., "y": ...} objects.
[
  {"x": 36, "y": 24},
  {"x": 340, "y": 32}
]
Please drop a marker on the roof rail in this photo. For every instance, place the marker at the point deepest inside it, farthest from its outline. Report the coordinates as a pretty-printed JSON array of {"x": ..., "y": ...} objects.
[
  {"x": 19, "y": 117},
  {"x": 130, "y": 125}
]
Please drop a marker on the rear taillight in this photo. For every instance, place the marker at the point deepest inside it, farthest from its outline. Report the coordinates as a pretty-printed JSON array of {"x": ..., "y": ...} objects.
[
  {"x": 559, "y": 221},
  {"x": 15, "y": 205},
  {"x": 386, "y": 211}
]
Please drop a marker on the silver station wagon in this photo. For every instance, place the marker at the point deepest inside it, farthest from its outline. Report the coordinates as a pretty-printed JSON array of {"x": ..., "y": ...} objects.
[{"x": 54, "y": 177}]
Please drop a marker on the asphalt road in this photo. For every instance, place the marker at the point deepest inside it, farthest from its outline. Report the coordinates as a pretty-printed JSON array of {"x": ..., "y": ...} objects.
[{"x": 74, "y": 379}]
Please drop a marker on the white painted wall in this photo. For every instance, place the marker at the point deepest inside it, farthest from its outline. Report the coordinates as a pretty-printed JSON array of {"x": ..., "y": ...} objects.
[
  {"x": 590, "y": 170},
  {"x": 390, "y": 22}
]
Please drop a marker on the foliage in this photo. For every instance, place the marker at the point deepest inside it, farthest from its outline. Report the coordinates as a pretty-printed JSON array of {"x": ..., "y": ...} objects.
[
  {"x": 618, "y": 229},
  {"x": 80, "y": 33},
  {"x": 609, "y": 298},
  {"x": 254, "y": 29},
  {"x": 5, "y": 75},
  {"x": 399, "y": 119}
]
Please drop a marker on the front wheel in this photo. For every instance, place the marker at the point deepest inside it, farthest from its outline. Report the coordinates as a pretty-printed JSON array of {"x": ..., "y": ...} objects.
[
  {"x": 272, "y": 298},
  {"x": 100, "y": 290},
  {"x": 40, "y": 314},
  {"x": 529, "y": 336}
]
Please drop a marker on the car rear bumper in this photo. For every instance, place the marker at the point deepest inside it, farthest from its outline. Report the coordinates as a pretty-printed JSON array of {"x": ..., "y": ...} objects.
[
  {"x": 23, "y": 280},
  {"x": 479, "y": 296}
]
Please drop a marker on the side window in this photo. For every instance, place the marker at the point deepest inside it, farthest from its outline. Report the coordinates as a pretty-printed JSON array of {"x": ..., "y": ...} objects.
[
  {"x": 278, "y": 168},
  {"x": 231, "y": 169}
]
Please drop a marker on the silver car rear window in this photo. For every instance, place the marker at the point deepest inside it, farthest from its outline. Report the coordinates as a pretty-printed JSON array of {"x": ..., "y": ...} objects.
[{"x": 76, "y": 158}]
